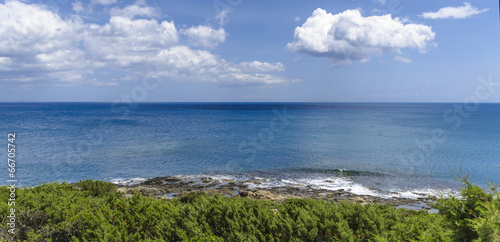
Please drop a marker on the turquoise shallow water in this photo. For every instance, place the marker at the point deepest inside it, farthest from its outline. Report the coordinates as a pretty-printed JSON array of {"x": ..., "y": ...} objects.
[{"x": 381, "y": 147}]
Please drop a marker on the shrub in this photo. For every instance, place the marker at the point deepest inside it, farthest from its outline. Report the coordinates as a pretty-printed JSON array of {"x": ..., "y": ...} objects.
[
  {"x": 474, "y": 215},
  {"x": 93, "y": 211},
  {"x": 96, "y": 188}
]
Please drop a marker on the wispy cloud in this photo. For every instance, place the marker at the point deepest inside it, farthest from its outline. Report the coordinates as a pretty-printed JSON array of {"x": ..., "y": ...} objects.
[
  {"x": 77, "y": 6},
  {"x": 402, "y": 59},
  {"x": 223, "y": 16},
  {"x": 465, "y": 11},
  {"x": 103, "y": 2},
  {"x": 138, "y": 9}
]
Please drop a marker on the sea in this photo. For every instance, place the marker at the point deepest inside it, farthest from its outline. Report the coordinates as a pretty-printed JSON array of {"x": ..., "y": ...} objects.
[{"x": 381, "y": 149}]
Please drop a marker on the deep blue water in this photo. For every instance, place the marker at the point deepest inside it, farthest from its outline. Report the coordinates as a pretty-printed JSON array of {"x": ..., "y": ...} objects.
[{"x": 384, "y": 146}]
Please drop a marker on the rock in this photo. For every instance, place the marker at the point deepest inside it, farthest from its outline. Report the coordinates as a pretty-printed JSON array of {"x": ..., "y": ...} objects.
[
  {"x": 150, "y": 192},
  {"x": 122, "y": 189},
  {"x": 172, "y": 179},
  {"x": 269, "y": 196},
  {"x": 182, "y": 185},
  {"x": 154, "y": 181}
]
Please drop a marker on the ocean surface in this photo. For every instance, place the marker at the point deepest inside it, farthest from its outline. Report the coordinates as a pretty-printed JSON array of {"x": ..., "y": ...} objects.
[{"x": 367, "y": 148}]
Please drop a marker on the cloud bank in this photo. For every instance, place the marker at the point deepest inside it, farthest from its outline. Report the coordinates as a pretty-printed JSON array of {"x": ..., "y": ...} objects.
[
  {"x": 38, "y": 46},
  {"x": 349, "y": 37}
]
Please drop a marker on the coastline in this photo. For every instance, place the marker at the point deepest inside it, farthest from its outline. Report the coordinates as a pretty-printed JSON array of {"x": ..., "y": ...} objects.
[
  {"x": 95, "y": 210},
  {"x": 171, "y": 187}
]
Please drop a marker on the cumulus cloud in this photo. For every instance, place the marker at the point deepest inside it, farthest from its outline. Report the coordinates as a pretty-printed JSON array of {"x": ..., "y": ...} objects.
[
  {"x": 37, "y": 47},
  {"x": 205, "y": 36},
  {"x": 34, "y": 40},
  {"x": 349, "y": 37},
  {"x": 454, "y": 12},
  {"x": 182, "y": 62},
  {"x": 125, "y": 42}
]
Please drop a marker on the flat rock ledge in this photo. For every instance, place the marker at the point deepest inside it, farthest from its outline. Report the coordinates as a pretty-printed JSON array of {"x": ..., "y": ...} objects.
[{"x": 177, "y": 186}]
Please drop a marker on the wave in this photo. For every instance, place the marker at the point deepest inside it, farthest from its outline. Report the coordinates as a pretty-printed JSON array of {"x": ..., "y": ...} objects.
[
  {"x": 344, "y": 172},
  {"x": 128, "y": 182},
  {"x": 346, "y": 184},
  {"x": 327, "y": 183}
]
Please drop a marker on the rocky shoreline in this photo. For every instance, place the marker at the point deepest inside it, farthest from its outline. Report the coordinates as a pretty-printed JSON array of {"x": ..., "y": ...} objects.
[{"x": 177, "y": 186}]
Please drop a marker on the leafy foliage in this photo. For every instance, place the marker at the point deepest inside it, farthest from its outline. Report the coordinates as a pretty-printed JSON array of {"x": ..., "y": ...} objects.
[
  {"x": 94, "y": 211},
  {"x": 475, "y": 215},
  {"x": 96, "y": 188}
]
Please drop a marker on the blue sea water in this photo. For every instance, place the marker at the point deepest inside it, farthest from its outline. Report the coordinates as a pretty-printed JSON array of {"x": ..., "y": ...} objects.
[{"x": 379, "y": 148}]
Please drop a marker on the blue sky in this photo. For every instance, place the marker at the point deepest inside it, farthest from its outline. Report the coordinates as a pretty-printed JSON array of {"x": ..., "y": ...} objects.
[{"x": 249, "y": 51}]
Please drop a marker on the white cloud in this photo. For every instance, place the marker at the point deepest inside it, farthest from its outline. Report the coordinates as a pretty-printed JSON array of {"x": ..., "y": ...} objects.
[
  {"x": 348, "y": 36},
  {"x": 126, "y": 42},
  {"x": 182, "y": 57},
  {"x": 77, "y": 6},
  {"x": 37, "y": 47},
  {"x": 382, "y": 2},
  {"x": 297, "y": 18},
  {"x": 138, "y": 9},
  {"x": 454, "y": 12},
  {"x": 242, "y": 79},
  {"x": 37, "y": 44},
  {"x": 184, "y": 63},
  {"x": 402, "y": 59},
  {"x": 103, "y": 2},
  {"x": 223, "y": 16},
  {"x": 205, "y": 36},
  {"x": 262, "y": 66}
]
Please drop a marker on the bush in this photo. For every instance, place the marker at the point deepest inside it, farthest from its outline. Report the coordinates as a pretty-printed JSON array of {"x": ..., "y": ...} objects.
[
  {"x": 96, "y": 188},
  {"x": 93, "y": 211},
  {"x": 475, "y": 215}
]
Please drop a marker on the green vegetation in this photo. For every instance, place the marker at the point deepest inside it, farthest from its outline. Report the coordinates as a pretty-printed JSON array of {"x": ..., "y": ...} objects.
[
  {"x": 475, "y": 216},
  {"x": 94, "y": 211}
]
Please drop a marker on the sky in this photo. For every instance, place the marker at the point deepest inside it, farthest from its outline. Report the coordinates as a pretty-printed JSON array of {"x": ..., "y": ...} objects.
[{"x": 249, "y": 51}]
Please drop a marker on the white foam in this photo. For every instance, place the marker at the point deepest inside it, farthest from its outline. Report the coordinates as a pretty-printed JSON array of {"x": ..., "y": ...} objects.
[
  {"x": 335, "y": 184},
  {"x": 129, "y": 182},
  {"x": 346, "y": 184},
  {"x": 327, "y": 183},
  {"x": 426, "y": 192}
]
